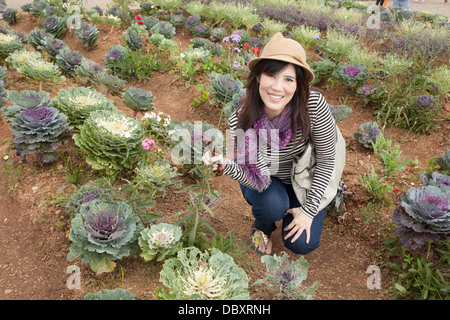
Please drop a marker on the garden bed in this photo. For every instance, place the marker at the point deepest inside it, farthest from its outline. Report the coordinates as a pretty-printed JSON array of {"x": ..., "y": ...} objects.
[{"x": 34, "y": 226}]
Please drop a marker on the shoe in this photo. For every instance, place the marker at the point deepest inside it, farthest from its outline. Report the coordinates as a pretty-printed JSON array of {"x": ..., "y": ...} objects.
[{"x": 256, "y": 236}]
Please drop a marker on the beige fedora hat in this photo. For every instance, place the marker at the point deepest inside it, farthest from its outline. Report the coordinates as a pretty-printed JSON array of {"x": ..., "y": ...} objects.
[{"x": 284, "y": 49}]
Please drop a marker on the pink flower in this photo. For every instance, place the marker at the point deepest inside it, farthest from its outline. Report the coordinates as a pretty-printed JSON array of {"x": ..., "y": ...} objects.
[{"x": 148, "y": 144}]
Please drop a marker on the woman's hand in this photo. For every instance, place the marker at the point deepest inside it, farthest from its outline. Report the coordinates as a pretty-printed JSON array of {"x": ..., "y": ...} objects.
[
  {"x": 218, "y": 161},
  {"x": 300, "y": 223}
]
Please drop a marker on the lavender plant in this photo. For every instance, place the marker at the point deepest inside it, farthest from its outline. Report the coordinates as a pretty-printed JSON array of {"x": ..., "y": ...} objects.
[
  {"x": 160, "y": 241},
  {"x": 41, "y": 129},
  {"x": 285, "y": 278},
  {"x": 103, "y": 232}
]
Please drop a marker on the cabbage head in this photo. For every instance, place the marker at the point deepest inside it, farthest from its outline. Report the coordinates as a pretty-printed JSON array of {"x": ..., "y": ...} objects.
[
  {"x": 223, "y": 87},
  {"x": 423, "y": 215},
  {"x": 160, "y": 241},
  {"x": 41, "y": 129},
  {"x": 112, "y": 140},
  {"x": 102, "y": 232},
  {"x": 79, "y": 102},
  {"x": 208, "y": 275}
]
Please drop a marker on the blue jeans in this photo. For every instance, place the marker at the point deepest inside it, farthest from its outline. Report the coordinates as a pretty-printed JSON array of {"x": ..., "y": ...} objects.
[{"x": 272, "y": 204}]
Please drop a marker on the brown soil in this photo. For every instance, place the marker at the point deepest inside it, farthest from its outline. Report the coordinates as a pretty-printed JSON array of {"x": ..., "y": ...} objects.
[{"x": 33, "y": 230}]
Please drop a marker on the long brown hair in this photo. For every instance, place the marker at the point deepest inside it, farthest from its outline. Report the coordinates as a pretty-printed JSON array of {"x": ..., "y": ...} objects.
[{"x": 252, "y": 105}]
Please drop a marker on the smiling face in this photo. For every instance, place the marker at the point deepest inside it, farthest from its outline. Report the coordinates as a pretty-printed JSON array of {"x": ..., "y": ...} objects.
[{"x": 277, "y": 90}]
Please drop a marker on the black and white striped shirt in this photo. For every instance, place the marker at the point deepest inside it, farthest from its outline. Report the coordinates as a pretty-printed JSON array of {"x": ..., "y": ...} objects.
[{"x": 278, "y": 163}]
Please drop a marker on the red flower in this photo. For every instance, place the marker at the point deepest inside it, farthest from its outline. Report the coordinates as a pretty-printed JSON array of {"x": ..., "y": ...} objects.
[
  {"x": 256, "y": 50},
  {"x": 138, "y": 17},
  {"x": 246, "y": 45},
  {"x": 140, "y": 22},
  {"x": 395, "y": 190}
]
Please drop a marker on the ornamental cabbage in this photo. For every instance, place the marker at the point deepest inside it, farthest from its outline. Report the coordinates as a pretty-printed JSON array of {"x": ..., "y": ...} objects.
[
  {"x": 27, "y": 99},
  {"x": 36, "y": 36},
  {"x": 88, "y": 72},
  {"x": 41, "y": 129},
  {"x": 207, "y": 275},
  {"x": 42, "y": 71},
  {"x": 444, "y": 161},
  {"x": 54, "y": 25},
  {"x": 138, "y": 100},
  {"x": 367, "y": 134},
  {"x": 165, "y": 28},
  {"x": 107, "y": 294},
  {"x": 132, "y": 39},
  {"x": 115, "y": 54},
  {"x": 18, "y": 58},
  {"x": 351, "y": 74},
  {"x": 8, "y": 44},
  {"x": 78, "y": 103},
  {"x": 68, "y": 60},
  {"x": 285, "y": 278},
  {"x": 157, "y": 176},
  {"x": 223, "y": 87},
  {"x": 423, "y": 215},
  {"x": 87, "y": 33},
  {"x": 103, "y": 232},
  {"x": 52, "y": 46},
  {"x": 95, "y": 190},
  {"x": 160, "y": 241},
  {"x": 112, "y": 140}
]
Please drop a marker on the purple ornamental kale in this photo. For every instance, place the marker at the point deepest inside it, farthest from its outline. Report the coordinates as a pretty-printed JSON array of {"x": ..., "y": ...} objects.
[
  {"x": 425, "y": 102},
  {"x": 106, "y": 226},
  {"x": 352, "y": 71},
  {"x": 40, "y": 129}
]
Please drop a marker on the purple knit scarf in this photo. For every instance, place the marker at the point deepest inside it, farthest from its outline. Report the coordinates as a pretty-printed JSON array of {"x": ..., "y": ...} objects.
[{"x": 273, "y": 134}]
